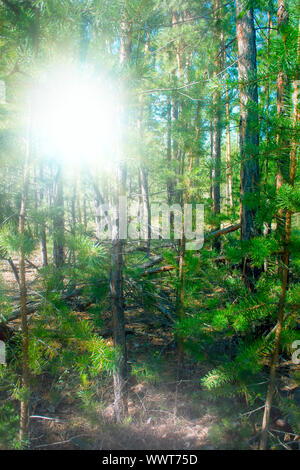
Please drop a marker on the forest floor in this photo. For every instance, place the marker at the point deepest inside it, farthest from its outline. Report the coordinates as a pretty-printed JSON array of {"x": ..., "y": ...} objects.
[
  {"x": 161, "y": 416},
  {"x": 164, "y": 412}
]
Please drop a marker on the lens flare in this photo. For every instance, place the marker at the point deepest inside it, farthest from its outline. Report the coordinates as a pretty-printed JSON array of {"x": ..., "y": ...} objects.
[{"x": 76, "y": 118}]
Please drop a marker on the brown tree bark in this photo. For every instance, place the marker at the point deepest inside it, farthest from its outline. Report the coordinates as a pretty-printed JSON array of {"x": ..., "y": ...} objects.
[
  {"x": 282, "y": 112},
  {"x": 42, "y": 229},
  {"x": 216, "y": 128},
  {"x": 24, "y": 407},
  {"x": 120, "y": 374},
  {"x": 249, "y": 132},
  {"x": 58, "y": 221},
  {"x": 170, "y": 182},
  {"x": 284, "y": 267},
  {"x": 267, "y": 226},
  {"x": 229, "y": 196},
  {"x": 144, "y": 189}
]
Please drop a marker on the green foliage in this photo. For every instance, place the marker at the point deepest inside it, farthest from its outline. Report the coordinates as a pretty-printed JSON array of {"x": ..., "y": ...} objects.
[
  {"x": 289, "y": 198},
  {"x": 11, "y": 242},
  {"x": 9, "y": 410}
]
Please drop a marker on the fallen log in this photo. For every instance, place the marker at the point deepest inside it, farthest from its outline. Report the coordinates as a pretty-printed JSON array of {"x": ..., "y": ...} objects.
[
  {"x": 223, "y": 231},
  {"x": 33, "y": 305},
  {"x": 162, "y": 269},
  {"x": 151, "y": 262},
  {"x": 31, "y": 308}
]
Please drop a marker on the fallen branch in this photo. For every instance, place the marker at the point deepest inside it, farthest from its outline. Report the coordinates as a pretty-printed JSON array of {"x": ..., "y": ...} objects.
[
  {"x": 32, "y": 265},
  {"x": 162, "y": 269},
  {"x": 33, "y": 305},
  {"x": 151, "y": 262},
  {"x": 223, "y": 231},
  {"x": 47, "y": 418}
]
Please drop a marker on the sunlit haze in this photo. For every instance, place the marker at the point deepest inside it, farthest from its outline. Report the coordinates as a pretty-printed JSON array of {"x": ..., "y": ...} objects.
[{"x": 76, "y": 118}]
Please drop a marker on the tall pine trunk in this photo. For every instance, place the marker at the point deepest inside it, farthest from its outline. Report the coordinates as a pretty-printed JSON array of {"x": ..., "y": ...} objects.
[
  {"x": 216, "y": 130},
  {"x": 42, "y": 230},
  {"x": 144, "y": 189},
  {"x": 249, "y": 132},
  {"x": 24, "y": 407},
  {"x": 58, "y": 220},
  {"x": 120, "y": 374},
  {"x": 229, "y": 195},
  {"x": 282, "y": 112}
]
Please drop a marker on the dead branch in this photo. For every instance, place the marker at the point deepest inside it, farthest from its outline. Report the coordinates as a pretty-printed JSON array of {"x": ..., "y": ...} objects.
[
  {"x": 162, "y": 269},
  {"x": 223, "y": 231},
  {"x": 151, "y": 262}
]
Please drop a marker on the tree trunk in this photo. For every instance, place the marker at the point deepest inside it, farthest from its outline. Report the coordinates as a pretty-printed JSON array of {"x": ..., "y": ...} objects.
[
  {"x": 120, "y": 374},
  {"x": 284, "y": 269},
  {"x": 58, "y": 221},
  {"x": 249, "y": 133},
  {"x": 282, "y": 112},
  {"x": 267, "y": 226},
  {"x": 24, "y": 409},
  {"x": 144, "y": 190},
  {"x": 42, "y": 230},
  {"x": 216, "y": 131},
  {"x": 116, "y": 288},
  {"x": 73, "y": 205},
  {"x": 170, "y": 182},
  {"x": 229, "y": 195}
]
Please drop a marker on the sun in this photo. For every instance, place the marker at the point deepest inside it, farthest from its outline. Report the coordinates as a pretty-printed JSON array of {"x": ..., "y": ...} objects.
[{"x": 76, "y": 118}]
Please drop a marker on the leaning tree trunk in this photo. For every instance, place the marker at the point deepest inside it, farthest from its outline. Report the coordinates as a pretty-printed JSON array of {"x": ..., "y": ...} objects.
[
  {"x": 284, "y": 268},
  {"x": 249, "y": 132}
]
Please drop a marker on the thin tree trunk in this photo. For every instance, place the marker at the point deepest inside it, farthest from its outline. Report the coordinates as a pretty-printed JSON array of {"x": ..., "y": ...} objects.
[
  {"x": 24, "y": 409},
  {"x": 73, "y": 205},
  {"x": 180, "y": 295},
  {"x": 216, "y": 131},
  {"x": 170, "y": 185},
  {"x": 144, "y": 190},
  {"x": 284, "y": 269},
  {"x": 120, "y": 374},
  {"x": 228, "y": 140},
  {"x": 180, "y": 300},
  {"x": 216, "y": 126},
  {"x": 84, "y": 213},
  {"x": 282, "y": 107},
  {"x": 43, "y": 236},
  {"x": 58, "y": 221},
  {"x": 24, "y": 406},
  {"x": 267, "y": 227},
  {"x": 116, "y": 287}
]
